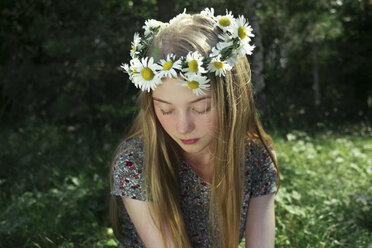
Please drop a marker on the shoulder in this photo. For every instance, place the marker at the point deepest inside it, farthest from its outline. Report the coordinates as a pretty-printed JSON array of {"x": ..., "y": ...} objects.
[
  {"x": 255, "y": 150},
  {"x": 129, "y": 154},
  {"x": 260, "y": 168},
  {"x": 128, "y": 168},
  {"x": 130, "y": 145}
]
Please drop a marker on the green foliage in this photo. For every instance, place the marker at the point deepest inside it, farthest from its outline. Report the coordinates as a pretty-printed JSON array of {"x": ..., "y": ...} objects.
[
  {"x": 325, "y": 196},
  {"x": 54, "y": 187},
  {"x": 60, "y": 60},
  {"x": 338, "y": 29}
]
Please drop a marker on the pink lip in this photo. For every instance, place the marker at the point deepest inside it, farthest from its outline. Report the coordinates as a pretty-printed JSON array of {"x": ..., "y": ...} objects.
[{"x": 189, "y": 141}]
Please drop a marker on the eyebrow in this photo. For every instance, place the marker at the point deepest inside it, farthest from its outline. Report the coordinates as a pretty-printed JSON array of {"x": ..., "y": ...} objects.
[{"x": 194, "y": 101}]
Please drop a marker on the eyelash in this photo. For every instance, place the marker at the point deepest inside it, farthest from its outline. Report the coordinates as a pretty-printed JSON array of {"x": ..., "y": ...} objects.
[
  {"x": 166, "y": 113},
  {"x": 204, "y": 111},
  {"x": 198, "y": 112}
]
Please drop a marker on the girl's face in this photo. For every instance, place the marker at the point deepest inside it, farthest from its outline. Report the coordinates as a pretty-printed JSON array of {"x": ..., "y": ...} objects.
[{"x": 189, "y": 119}]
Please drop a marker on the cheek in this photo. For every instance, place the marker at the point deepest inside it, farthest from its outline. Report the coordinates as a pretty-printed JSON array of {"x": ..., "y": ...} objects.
[
  {"x": 213, "y": 125},
  {"x": 165, "y": 121},
  {"x": 210, "y": 124}
]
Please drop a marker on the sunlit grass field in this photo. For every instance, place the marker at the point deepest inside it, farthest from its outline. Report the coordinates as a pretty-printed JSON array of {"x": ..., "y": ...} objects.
[
  {"x": 54, "y": 187},
  {"x": 325, "y": 197}
]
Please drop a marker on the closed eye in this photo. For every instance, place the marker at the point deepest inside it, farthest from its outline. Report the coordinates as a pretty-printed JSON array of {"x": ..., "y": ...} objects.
[
  {"x": 166, "y": 112},
  {"x": 203, "y": 111}
]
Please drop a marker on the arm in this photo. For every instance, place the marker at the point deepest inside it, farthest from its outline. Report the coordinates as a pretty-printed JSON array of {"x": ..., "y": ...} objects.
[
  {"x": 128, "y": 183},
  {"x": 260, "y": 225},
  {"x": 140, "y": 215}
]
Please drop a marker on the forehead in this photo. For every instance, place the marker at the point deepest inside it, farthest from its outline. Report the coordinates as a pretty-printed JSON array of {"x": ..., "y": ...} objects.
[{"x": 171, "y": 91}]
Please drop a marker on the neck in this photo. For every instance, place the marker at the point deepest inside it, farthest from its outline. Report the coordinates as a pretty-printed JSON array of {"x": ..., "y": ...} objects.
[
  {"x": 201, "y": 164},
  {"x": 202, "y": 159}
]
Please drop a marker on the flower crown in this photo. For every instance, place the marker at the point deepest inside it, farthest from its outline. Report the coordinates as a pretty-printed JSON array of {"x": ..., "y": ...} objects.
[{"x": 146, "y": 74}]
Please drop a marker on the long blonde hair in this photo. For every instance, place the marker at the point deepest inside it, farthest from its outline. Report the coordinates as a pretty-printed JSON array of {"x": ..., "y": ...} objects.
[{"x": 238, "y": 121}]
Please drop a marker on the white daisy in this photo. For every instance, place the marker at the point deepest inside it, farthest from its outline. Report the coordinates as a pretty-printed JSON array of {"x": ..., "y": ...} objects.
[
  {"x": 145, "y": 74},
  {"x": 225, "y": 22},
  {"x": 245, "y": 48},
  {"x": 225, "y": 37},
  {"x": 232, "y": 60},
  {"x": 194, "y": 63},
  {"x": 170, "y": 65},
  {"x": 126, "y": 69},
  {"x": 218, "y": 66},
  {"x": 221, "y": 45},
  {"x": 241, "y": 29},
  {"x": 151, "y": 25},
  {"x": 132, "y": 68},
  {"x": 215, "y": 52},
  {"x": 179, "y": 16},
  {"x": 225, "y": 43},
  {"x": 197, "y": 83},
  {"x": 135, "y": 64},
  {"x": 135, "y": 67},
  {"x": 208, "y": 13},
  {"x": 135, "y": 45}
]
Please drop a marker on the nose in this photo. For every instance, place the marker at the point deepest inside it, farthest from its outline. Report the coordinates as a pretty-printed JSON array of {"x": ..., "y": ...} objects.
[{"x": 185, "y": 124}]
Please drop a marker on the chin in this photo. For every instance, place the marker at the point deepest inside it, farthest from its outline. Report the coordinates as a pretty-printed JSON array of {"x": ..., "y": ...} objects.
[{"x": 192, "y": 148}]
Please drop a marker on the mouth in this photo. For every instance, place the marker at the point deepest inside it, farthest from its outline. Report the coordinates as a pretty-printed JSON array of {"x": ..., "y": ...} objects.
[{"x": 189, "y": 141}]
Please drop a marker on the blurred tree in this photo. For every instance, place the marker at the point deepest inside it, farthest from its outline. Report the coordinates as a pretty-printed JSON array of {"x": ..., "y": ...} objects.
[
  {"x": 60, "y": 60},
  {"x": 312, "y": 23},
  {"x": 258, "y": 57},
  {"x": 353, "y": 60},
  {"x": 324, "y": 36},
  {"x": 167, "y": 9}
]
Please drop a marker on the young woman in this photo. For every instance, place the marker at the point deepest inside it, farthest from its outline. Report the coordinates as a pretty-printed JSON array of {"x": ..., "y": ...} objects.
[{"x": 197, "y": 169}]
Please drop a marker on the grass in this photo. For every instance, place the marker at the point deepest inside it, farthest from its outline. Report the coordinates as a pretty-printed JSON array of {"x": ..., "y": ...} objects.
[
  {"x": 325, "y": 199},
  {"x": 54, "y": 187}
]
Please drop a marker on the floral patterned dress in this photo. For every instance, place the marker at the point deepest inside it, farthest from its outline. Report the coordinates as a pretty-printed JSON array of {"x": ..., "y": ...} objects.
[{"x": 128, "y": 182}]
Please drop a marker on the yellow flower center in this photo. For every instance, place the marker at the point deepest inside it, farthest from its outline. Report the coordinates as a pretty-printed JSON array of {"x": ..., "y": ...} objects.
[
  {"x": 147, "y": 74},
  {"x": 242, "y": 32},
  {"x": 218, "y": 65},
  {"x": 224, "y": 21},
  {"x": 133, "y": 47},
  {"x": 193, "y": 65},
  {"x": 167, "y": 65},
  {"x": 193, "y": 84}
]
